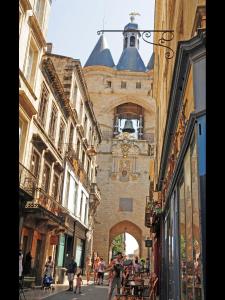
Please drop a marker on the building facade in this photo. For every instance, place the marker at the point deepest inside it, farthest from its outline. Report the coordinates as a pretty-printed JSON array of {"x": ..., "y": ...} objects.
[
  {"x": 177, "y": 215},
  {"x": 33, "y": 21},
  {"x": 122, "y": 102},
  {"x": 59, "y": 137}
]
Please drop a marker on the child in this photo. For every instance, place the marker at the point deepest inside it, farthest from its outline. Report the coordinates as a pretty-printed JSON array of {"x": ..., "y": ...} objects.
[{"x": 79, "y": 283}]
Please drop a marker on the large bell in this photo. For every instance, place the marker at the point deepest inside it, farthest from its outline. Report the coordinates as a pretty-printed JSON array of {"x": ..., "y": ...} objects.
[{"x": 128, "y": 126}]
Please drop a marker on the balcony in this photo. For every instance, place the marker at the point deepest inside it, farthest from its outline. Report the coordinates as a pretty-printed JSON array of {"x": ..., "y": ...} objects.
[
  {"x": 80, "y": 129},
  {"x": 153, "y": 212},
  {"x": 49, "y": 204},
  {"x": 27, "y": 181},
  {"x": 95, "y": 198}
]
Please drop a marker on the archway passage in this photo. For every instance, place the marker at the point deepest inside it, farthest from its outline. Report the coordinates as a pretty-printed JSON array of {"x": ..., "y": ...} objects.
[
  {"x": 126, "y": 227},
  {"x": 126, "y": 244}
]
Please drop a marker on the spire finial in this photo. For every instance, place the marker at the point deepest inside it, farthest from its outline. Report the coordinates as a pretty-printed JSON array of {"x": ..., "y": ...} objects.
[{"x": 132, "y": 15}]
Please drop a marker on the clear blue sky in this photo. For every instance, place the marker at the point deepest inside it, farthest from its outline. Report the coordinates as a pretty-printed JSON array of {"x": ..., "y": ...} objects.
[{"x": 73, "y": 25}]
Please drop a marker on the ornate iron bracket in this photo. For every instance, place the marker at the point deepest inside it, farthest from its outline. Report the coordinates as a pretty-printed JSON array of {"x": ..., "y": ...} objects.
[{"x": 166, "y": 36}]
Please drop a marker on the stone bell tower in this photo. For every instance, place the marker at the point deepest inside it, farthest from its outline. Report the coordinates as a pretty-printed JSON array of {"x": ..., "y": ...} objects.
[{"x": 121, "y": 96}]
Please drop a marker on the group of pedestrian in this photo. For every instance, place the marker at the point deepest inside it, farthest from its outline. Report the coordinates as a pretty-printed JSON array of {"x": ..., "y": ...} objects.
[
  {"x": 99, "y": 267},
  {"x": 120, "y": 270}
]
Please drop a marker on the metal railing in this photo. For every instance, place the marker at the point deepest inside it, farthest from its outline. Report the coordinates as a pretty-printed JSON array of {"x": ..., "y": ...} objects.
[
  {"x": 27, "y": 181},
  {"x": 48, "y": 202},
  {"x": 107, "y": 134},
  {"x": 95, "y": 190}
]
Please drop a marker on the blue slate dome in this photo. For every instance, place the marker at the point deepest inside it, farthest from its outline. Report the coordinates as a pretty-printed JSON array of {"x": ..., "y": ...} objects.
[
  {"x": 101, "y": 54},
  {"x": 131, "y": 26}
]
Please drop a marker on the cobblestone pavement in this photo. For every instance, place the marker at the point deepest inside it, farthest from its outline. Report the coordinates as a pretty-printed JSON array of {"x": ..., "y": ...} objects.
[{"x": 90, "y": 292}]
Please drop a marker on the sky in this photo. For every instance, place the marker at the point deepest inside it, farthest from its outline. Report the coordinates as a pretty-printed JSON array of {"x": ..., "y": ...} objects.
[
  {"x": 131, "y": 244},
  {"x": 73, "y": 26}
]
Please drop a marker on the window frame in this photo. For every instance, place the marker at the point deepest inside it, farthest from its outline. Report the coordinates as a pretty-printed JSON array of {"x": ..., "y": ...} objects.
[{"x": 52, "y": 127}]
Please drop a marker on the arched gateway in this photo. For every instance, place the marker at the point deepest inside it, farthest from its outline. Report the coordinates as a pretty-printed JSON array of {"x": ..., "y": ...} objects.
[
  {"x": 126, "y": 227},
  {"x": 121, "y": 97}
]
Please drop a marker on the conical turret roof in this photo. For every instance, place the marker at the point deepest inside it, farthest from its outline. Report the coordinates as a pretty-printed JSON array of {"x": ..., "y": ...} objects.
[
  {"x": 131, "y": 60},
  {"x": 150, "y": 65},
  {"x": 101, "y": 54}
]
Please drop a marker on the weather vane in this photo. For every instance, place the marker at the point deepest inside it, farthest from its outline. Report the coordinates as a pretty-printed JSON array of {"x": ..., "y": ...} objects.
[{"x": 132, "y": 15}]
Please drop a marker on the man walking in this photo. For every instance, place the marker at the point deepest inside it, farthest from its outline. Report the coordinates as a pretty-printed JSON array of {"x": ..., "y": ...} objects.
[
  {"x": 71, "y": 271},
  {"x": 117, "y": 275}
]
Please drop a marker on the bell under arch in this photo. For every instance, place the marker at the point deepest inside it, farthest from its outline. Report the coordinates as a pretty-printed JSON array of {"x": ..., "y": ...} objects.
[{"x": 128, "y": 117}]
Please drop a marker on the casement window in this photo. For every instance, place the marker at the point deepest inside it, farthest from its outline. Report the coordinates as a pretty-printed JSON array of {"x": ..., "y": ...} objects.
[
  {"x": 86, "y": 212},
  {"x": 81, "y": 110},
  {"x": 123, "y": 84},
  {"x": 78, "y": 148},
  {"x": 39, "y": 11},
  {"x": 83, "y": 157},
  {"x": 55, "y": 186},
  {"x": 81, "y": 204},
  {"x": 46, "y": 178},
  {"x": 31, "y": 63},
  {"x": 90, "y": 136},
  {"x": 75, "y": 90},
  {"x": 66, "y": 199},
  {"x": 52, "y": 125},
  {"x": 88, "y": 168},
  {"x": 85, "y": 125},
  {"x": 35, "y": 163},
  {"x": 43, "y": 105},
  {"x": 22, "y": 136},
  {"x": 61, "y": 136},
  {"x": 71, "y": 136}
]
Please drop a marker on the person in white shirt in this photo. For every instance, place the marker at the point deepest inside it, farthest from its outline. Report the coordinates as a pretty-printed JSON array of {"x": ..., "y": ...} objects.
[
  {"x": 101, "y": 270},
  {"x": 20, "y": 263}
]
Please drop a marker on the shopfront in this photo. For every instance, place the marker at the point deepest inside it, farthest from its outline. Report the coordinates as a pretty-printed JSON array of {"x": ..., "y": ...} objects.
[{"x": 184, "y": 172}]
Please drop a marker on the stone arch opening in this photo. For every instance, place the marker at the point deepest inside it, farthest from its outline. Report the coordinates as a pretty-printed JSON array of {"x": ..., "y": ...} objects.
[{"x": 126, "y": 227}]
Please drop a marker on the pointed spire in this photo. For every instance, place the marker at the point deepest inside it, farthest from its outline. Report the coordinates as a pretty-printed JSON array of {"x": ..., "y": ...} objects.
[
  {"x": 150, "y": 65},
  {"x": 101, "y": 54}
]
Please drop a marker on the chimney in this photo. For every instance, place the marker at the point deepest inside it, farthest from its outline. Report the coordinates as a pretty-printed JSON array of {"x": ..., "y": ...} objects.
[{"x": 49, "y": 47}]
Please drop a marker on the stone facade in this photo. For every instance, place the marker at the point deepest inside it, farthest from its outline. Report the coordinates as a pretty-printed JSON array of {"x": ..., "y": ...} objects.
[{"x": 123, "y": 161}]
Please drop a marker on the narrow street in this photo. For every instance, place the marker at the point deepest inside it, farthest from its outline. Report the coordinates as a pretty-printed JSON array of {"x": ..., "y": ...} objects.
[{"x": 90, "y": 292}]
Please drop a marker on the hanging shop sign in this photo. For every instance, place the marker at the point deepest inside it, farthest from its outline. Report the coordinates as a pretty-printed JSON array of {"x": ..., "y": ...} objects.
[{"x": 148, "y": 243}]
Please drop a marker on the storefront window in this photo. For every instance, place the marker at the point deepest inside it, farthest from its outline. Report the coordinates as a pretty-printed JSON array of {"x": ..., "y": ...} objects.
[
  {"x": 182, "y": 242},
  {"x": 189, "y": 233},
  {"x": 190, "y": 238},
  {"x": 79, "y": 253},
  {"x": 61, "y": 251},
  {"x": 196, "y": 224}
]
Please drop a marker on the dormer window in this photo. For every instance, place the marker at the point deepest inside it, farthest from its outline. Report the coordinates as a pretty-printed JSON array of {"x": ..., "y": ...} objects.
[{"x": 132, "y": 41}]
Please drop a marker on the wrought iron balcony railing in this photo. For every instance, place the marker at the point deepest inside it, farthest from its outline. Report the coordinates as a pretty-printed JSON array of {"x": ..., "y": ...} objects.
[
  {"x": 42, "y": 199},
  {"x": 95, "y": 191},
  {"x": 27, "y": 181}
]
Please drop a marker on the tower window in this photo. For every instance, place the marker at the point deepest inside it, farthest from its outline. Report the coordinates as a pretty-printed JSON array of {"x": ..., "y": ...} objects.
[
  {"x": 125, "y": 43},
  {"x": 132, "y": 41},
  {"x": 108, "y": 84},
  {"x": 138, "y": 85},
  {"x": 123, "y": 84}
]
